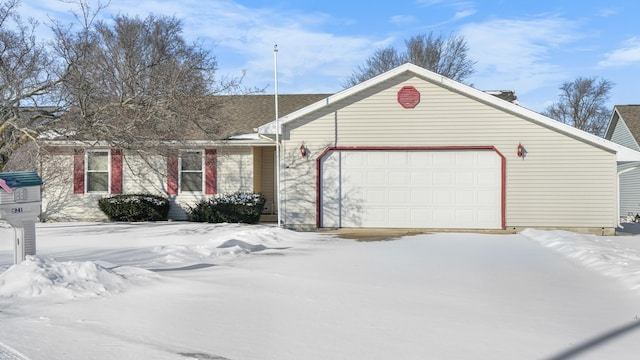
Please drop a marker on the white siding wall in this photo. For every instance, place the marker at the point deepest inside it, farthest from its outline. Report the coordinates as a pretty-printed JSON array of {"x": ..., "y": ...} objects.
[
  {"x": 562, "y": 182},
  {"x": 146, "y": 174},
  {"x": 59, "y": 203},
  {"x": 629, "y": 181},
  {"x": 235, "y": 173},
  {"x": 235, "y": 169}
]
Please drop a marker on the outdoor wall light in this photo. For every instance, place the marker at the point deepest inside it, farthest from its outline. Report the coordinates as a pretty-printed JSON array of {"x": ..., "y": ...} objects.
[
  {"x": 303, "y": 151},
  {"x": 522, "y": 152}
]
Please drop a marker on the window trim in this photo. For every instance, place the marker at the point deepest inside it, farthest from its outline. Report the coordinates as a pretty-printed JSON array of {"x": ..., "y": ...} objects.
[
  {"x": 201, "y": 171},
  {"x": 87, "y": 171}
]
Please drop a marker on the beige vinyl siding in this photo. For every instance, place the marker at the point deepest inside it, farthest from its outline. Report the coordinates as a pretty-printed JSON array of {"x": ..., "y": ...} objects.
[
  {"x": 562, "y": 182},
  {"x": 59, "y": 203},
  {"x": 234, "y": 173},
  {"x": 235, "y": 169},
  {"x": 148, "y": 175}
]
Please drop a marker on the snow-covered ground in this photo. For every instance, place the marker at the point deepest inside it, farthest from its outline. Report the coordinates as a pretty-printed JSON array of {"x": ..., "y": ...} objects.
[{"x": 239, "y": 292}]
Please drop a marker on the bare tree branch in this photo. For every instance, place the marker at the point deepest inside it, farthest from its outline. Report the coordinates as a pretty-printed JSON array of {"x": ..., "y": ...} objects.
[
  {"x": 27, "y": 81},
  {"x": 581, "y": 104},
  {"x": 447, "y": 56}
]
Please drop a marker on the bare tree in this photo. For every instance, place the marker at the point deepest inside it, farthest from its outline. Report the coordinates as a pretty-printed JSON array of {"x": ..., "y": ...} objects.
[
  {"x": 135, "y": 83},
  {"x": 381, "y": 61},
  {"x": 582, "y": 104},
  {"x": 447, "y": 56},
  {"x": 26, "y": 81}
]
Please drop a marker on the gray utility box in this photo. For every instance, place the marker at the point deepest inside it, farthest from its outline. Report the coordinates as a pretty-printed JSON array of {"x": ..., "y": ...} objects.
[{"x": 20, "y": 205}]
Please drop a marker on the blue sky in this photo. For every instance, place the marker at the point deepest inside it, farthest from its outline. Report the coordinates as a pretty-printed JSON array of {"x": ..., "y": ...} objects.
[{"x": 531, "y": 47}]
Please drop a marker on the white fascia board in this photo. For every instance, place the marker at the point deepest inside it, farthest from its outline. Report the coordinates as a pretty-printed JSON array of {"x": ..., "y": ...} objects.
[
  {"x": 610, "y": 123},
  {"x": 625, "y": 154},
  {"x": 240, "y": 141}
]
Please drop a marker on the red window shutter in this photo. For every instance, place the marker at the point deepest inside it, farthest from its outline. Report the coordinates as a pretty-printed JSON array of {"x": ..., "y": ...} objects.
[
  {"x": 172, "y": 174},
  {"x": 116, "y": 171},
  {"x": 78, "y": 171},
  {"x": 211, "y": 171}
]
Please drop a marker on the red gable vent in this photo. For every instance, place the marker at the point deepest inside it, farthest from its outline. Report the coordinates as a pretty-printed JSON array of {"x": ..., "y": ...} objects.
[{"x": 408, "y": 97}]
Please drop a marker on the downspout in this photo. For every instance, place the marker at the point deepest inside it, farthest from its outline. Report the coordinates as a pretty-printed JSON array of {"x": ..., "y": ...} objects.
[{"x": 618, "y": 199}]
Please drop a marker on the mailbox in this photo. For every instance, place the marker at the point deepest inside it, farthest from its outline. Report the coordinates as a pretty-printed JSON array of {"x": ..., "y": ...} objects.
[{"x": 20, "y": 205}]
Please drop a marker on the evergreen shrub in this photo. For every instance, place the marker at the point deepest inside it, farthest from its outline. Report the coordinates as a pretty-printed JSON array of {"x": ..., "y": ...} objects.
[
  {"x": 239, "y": 207},
  {"x": 135, "y": 207}
]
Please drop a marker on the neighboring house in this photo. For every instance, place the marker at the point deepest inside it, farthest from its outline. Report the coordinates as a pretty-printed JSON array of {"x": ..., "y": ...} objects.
[
  {"x": 78, "y": 173},
  {"x": 624, "y": 129},
  {"x": 413, "y": 149}
]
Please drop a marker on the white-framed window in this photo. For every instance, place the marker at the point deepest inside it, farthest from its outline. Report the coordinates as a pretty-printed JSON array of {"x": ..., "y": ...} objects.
[
  {"x": 97, "y": 171},
  {"x": 191, "y": 167}
]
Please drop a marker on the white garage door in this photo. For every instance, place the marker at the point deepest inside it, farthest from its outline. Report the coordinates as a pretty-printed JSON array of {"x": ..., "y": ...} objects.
[{"x": 411, "y": 189}]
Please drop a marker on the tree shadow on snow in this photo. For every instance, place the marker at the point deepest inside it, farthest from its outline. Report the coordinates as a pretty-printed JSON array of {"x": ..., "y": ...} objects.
[
  {"x": 580, "y": 349},
  {"x": 188, "y": 267}
]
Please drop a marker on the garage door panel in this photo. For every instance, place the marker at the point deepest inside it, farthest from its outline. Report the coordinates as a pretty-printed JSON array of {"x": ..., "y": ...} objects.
[
  {"x": 374, "y": 161},
  {"x": 398, "y": 197},
  {"x": 354, "y": 179},
  {"x": 398, "y": 160},
  {"x": 444, "y": 217},
  {"x": 486, "y": 215},
  {"x": 400, "y": 216},
  {"x": 376, "y": 197},
  {"x": 376, "y": 178},
  {"x": 412, "y": 188},
  {"x": 464, "y": 216},
  {"x": 443, "y": 160},
  {"x": 420, "y": 160},
  {"x": 465, "y": 159},
  {"x": 442, "y": 198},
  {"x": 465, "y": 178},
  {"x": 420, "y": 215},
  {"x": 465, "y": 198},
  {"x": 441, "y": 178},
  {"x": 374, "y": 215},
  {"x": 487, "y": 160},
  {"x": 420, "y": 178},
  {"x": 488, "y": 198},
  {"x": 421, "y": 198},
  {"x": 399, "y": 178},
  {"x": 354, "y": 160},
  {"x": 487, "y": 179}
]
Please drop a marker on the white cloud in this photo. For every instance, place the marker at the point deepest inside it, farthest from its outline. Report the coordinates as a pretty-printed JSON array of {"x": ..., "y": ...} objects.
[
  {"x": 518, "y": 51},
  {"x": 428, "y": 2},
  {"x": 608, "y": 12},
  {"x": 403, "y": 19},
  {"x": 628, "y": 54},
  {"x": 463, "y": 14},
  {"x": 311, "y": 56}
]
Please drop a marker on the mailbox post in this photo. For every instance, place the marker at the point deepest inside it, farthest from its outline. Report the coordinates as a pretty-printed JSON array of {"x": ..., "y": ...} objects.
[{"x": 20, "y": 205}]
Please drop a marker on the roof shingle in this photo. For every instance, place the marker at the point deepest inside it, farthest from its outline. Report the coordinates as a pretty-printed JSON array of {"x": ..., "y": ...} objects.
[
  {"x": 631, "y": 116},
  {"x": 241, "y": 114}
]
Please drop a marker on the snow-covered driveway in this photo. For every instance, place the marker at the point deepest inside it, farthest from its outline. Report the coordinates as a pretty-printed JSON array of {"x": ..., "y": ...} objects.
[{"x": 180, "y": 291}]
